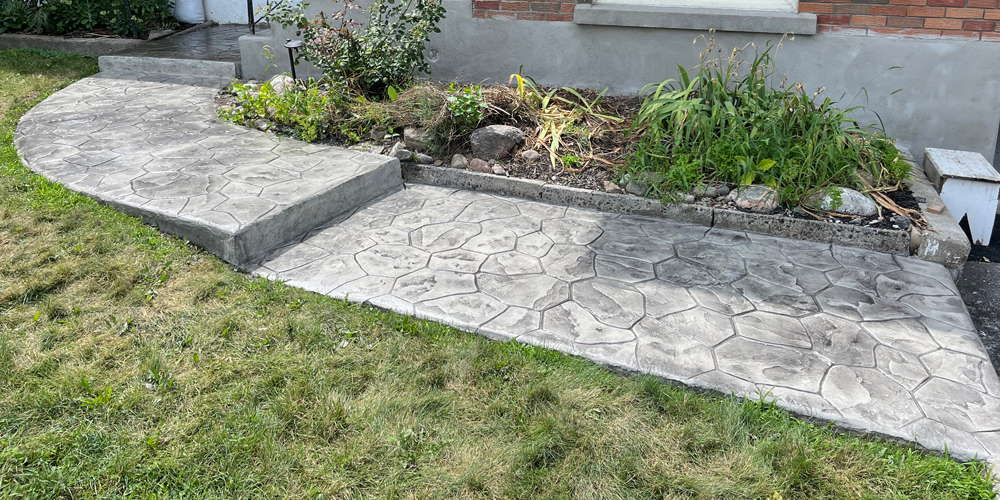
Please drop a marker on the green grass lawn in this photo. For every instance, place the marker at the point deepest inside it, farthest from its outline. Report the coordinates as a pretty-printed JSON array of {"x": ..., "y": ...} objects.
[{"x": 135, "y": 366}]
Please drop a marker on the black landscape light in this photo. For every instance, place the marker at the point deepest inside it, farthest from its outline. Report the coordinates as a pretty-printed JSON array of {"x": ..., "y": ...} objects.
[
  {"x": 290, "y": 45},
  {"x": 128, "y": 9}
]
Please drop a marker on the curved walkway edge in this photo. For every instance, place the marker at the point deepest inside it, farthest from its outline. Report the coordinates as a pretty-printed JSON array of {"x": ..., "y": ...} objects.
[
  {"x": 152, "y": 145},
  {"x": 870, "y": 341}
]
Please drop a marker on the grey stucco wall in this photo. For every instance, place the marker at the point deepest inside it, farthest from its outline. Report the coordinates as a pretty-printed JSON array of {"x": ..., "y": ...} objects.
[{"x": 949, "y": 91}]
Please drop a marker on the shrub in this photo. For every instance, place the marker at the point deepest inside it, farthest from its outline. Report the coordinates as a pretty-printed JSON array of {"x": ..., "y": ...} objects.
[
  {"x": 743, "y": 128},
  {"x": 66, "y": 16},
  {"x": 466, "y": 105},
  {"x": 387, "y": 52}
]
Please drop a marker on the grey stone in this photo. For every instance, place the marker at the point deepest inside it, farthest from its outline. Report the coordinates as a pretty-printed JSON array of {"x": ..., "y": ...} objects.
[
  {"x": 689, "y": 199},
  {"x": 842, "y": 200},
  {"x": 416, "y": 139},
  {"x": 459, "y": 161},
  {"x": 281, "y": 83},
  {"x": 423, "y": 159},
  {"x": 706, "y": 192},
  {"x": 400, "y": 152},
  {"x": 723, "y": 190},
  {"x": 478, "y": 165},
  {"x": 499, "y": 170},
  {"x": 611, "y": 187},
  {"x": 636, "y": 188},
  {"x": 530, "y": 155},
  {"x": 495, "y": 141},
  {"x": 759, "y": 199}
]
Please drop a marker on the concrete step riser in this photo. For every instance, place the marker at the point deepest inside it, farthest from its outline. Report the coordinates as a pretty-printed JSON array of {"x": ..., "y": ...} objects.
[{"x": 163, "y": 66}]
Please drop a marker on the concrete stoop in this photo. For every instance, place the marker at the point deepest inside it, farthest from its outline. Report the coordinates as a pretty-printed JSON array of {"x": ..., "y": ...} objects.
[{"x": 151, "y": 145}]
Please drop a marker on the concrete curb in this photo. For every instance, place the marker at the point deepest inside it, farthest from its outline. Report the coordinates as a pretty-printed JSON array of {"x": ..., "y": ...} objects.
[
  {"x": 881, "y": 240},
  {"x": 944, "y": 241}
]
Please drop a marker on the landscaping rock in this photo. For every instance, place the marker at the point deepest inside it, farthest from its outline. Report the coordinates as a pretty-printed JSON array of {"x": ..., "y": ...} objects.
[
  {"x": 423, "y": 159},
  {"x": 416, "y": 138},
  {"x": 901, "y": 221},
  {"x": 478, "y": 165},
  {"x": 723, "y": 190},
  {"x": 399, "y": 151},
  {"x": 635, "y": 188},
  {"x": 916, "y": 238},
  {"x": 530, "y": 156},
  {"x": 613, "y": 188},
  {"x": 459, "y": 161},
  {"x": 497, "y": 169},
  {"x": 261, "y": 124},
  {"x": 282, "y": 83},
  {"x": 689, "y": 199},
  {"x": 438, "y": 163},
  {"x": 759, "y": 199},
  {"x": 495, "y": 141},
  {"x": 706, "y": 191},
  {"x": 850, "y": 202}
]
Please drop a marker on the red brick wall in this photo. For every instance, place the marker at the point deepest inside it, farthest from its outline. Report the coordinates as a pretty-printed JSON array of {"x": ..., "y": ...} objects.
[
  {"x": 950, "y": 19},
  {"x": 542, "y": 10}
]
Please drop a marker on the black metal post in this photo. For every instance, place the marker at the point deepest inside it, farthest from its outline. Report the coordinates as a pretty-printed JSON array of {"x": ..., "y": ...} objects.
[
  {"x": 128, "y": 9},
  {"x": 290, "y": 45},
  {"x": 253, "y": 27}
]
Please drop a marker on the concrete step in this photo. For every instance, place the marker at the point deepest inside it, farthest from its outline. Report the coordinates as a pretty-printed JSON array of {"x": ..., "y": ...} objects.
[
  {"x": 169, "y": 66},
  {"x": 152, "y": 145}
]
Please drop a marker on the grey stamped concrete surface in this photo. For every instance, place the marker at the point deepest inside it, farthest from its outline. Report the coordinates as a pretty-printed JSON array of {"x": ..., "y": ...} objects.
[
  {"x": 152, "y": 145},
  {"x": 874, "y": 342}
]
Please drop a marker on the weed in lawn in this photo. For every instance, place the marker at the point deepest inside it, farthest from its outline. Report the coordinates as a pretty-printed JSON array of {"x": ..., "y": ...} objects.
[{"x": 310, "y": 397}]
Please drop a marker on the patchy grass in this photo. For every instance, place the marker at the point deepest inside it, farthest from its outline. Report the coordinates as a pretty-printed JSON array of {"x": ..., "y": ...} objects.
[{"x": 133, "y": 365}]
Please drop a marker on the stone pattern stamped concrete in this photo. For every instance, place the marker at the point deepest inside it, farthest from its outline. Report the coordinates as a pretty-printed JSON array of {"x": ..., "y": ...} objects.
[
  {"x": 872, "y": 341},
  {"x": 875, "y": 342},
  {"x": 153, "y": 146}
]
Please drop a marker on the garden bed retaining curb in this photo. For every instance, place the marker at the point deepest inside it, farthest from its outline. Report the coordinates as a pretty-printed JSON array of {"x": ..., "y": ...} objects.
[
  {"x": 86, "y": 46},
  {"x": 881, "y": 240},
  {"x": 944, "y": 241}
]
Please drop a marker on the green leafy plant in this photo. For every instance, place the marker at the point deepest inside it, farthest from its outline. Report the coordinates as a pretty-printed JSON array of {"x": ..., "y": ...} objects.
[
  {"x": 305, "y": 110},
  {"x": 748, "y": 127},
  {"x": 466, "y": 105},
  {"x": 370, "y": 58}
]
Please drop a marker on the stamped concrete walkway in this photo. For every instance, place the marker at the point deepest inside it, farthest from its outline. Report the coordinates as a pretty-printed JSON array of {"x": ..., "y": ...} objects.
[
  {"x": 868, "y": 340},
  {"x": 153, "y": 146}
]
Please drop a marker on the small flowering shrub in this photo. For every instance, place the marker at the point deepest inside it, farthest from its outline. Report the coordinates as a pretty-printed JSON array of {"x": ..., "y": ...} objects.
[{"x": 367, "y": 58}]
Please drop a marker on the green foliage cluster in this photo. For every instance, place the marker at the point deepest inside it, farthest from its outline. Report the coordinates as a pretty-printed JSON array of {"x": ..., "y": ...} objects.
[
  {"x": 466, "y": 105},
  {"x": 369, "y": 58},
  {"x": 56, "y": 17},
  {"x": 306, "y": 112},
  {"x": 732, "y": 122}
]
